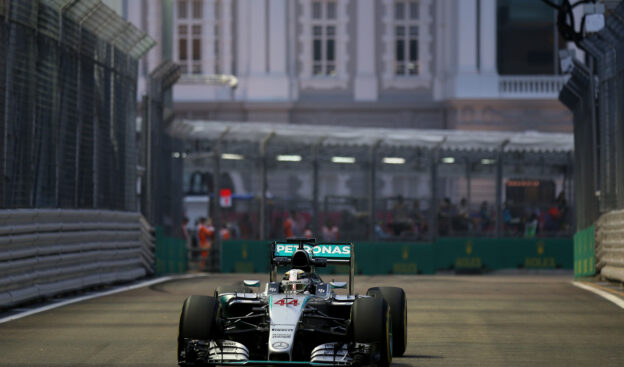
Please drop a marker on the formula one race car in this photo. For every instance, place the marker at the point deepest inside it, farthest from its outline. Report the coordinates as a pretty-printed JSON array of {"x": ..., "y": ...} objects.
[{"x": 297, "y": 320}]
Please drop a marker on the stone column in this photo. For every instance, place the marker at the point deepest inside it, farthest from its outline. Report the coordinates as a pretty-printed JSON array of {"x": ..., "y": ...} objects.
[
  {"x": 467, "y": 36},
  {"x": 208, "y": 37},
  {"x": 476, "y": 49},
  {"x": 488, "y": 37},
  {"x": 242, "y": 47},
  {"x": 226, "y": 36},
  {"x": 258, "y": 39},
  {"x": 487, "y": 52},
  {"x": 154, "y": 29},
  {"x": 366, "y": 83},
  {"x": 278, "y": 50}
]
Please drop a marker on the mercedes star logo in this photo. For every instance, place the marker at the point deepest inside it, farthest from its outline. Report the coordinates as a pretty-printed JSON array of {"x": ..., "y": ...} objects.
[{"x": 280, "y": 345}]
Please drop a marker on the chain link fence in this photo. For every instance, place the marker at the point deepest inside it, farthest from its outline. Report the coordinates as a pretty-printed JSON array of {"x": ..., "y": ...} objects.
[
  {"x": 68, "y": 72},
  {"x": 595, "y": 93}
]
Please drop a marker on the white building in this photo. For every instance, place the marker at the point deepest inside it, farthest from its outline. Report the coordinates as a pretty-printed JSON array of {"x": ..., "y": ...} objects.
[
  {"x": 436, "y": 64},
  {"x": 403, "y": 63}
]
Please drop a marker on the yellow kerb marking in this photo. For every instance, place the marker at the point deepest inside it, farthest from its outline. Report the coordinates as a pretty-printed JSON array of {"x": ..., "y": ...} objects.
[{"x": 613, "y": 291}]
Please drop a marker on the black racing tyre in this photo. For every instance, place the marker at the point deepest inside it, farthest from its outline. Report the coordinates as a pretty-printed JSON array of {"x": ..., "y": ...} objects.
[
  {"x": 197, "y": 320},
  {"x": 398, "y": 309},
  {"x": 371, "y": 321}
]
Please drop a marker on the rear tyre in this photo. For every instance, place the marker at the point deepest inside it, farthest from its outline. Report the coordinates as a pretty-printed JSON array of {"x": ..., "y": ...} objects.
[
  {"x": 197, "y": 320},
  {"x": 398, "y": 309},
  {"x": 371, "y": 322}
]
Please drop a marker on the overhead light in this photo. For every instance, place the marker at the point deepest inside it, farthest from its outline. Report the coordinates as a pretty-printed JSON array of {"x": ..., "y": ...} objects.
[
  {"x": 232, "y": 156},
  {"x": 175, "y": 155},
  {"x": 488, "y": 161},
  {"x": 394, "y": 160},
  {"x": 289, "y": 158},
  {"x": 449, "y": 160},
  {"x": 343, "y": 159}
]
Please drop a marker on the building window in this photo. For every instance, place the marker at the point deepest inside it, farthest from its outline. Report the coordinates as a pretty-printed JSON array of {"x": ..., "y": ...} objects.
[
  {"x": 198, "y": 36},
  {"x": 324, "y": 55},
  {"x": 324, "y": 38},
  {"x": 406, "y": 56},
  {"x": 406, "y": 24},
  {"x": 189, "y": 36}
]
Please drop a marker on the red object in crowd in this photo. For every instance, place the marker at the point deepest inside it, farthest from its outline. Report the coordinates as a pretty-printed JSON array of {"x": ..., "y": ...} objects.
[
  {"x": 288, "y": 227},
  {"x": 224, "y": 233}
]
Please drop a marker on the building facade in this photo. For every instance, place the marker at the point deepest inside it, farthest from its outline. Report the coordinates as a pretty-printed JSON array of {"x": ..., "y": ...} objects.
[
  {"x": 391, "y": 63},
  {"x": 487, "y": 65}
]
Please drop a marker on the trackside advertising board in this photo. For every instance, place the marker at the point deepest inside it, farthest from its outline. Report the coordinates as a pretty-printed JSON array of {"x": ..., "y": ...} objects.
[{"x": 329, "y": 251}]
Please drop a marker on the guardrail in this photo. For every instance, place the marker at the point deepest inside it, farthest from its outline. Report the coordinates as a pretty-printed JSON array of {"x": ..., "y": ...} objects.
[
  {"x": 48, "y": 252},
  {"x": 610, "y": 245}
]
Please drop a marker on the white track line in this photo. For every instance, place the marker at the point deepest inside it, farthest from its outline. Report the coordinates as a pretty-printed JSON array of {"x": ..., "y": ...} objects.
[
  {"x": 96, "y": 295},
  {"x": 606, "y": 295}
]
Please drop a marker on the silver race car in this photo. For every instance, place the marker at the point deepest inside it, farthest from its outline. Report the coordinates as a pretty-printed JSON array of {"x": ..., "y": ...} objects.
[{"x": 298, "y": 319}]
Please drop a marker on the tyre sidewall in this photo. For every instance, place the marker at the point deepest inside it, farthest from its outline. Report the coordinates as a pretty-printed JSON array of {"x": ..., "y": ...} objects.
[
  {"x": 398, "y": 309},
  {"x": 197, "y": 319},
  {"x": 371, "y": 322}
]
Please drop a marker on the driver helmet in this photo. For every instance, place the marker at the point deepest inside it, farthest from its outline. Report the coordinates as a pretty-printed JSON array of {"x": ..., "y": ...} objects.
[{"x": 302, "y": 281}]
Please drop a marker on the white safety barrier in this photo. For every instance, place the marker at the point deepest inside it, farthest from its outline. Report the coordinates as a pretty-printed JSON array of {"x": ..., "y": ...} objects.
[
  {"x": 610, "y": 245},
  {"x": 48, "y": 252}
]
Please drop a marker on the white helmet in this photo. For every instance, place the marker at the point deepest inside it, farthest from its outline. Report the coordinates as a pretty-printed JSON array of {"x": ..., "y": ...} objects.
[{"x": 295, "y": 280}]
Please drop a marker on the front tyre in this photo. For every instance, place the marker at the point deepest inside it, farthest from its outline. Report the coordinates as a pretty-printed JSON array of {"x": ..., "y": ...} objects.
[
  {"x": 197, "y": 321},
  {"x": 398, "y": 309},
  {"x": 371, "y": 322}
]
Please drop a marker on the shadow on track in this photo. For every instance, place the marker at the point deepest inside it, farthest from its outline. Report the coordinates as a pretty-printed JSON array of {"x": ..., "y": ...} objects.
[{"x": 416, "y": 356}]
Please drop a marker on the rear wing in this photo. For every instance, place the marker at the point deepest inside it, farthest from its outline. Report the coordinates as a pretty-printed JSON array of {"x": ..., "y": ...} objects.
[{"x": 333, "y": 253}]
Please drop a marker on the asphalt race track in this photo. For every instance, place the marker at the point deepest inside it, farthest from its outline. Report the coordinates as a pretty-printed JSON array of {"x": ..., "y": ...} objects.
[{"x": 453, "y": 321}]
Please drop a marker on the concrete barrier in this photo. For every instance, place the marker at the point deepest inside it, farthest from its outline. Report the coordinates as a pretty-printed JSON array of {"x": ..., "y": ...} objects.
[
  {"x": 609, "y": 246},
  {"x": 46, "y": 252}
]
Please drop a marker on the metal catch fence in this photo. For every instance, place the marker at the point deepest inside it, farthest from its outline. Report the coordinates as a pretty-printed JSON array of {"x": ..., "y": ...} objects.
[{"x": 68, "y": 72}]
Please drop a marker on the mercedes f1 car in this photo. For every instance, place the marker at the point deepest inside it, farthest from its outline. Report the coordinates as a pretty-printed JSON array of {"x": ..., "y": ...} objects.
[{"x": 297, "y": 320}]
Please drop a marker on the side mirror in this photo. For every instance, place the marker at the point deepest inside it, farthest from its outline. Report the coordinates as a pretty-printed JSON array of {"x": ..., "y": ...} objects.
[
  {"x": 251, "y": 283},
  {"x": 340, "y": 285}
]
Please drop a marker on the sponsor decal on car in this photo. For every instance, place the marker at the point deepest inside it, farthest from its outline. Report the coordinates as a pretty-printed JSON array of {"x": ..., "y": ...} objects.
[
  {"x": 323, "y": 250},
  {"x": 282, "y": 302},
  {"x": 280, "y": 345}
]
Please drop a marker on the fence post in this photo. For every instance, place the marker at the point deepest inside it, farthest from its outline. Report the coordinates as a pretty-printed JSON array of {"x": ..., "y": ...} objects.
[
  {"x": 433, "y": 206},
  {"x": 372, "y": 190},
  {"x": 216, "y": 196},
  {"x": 315, "y": 191},
  {"x": 263, "y": 184},
  {"x": 499, "y": 188}
]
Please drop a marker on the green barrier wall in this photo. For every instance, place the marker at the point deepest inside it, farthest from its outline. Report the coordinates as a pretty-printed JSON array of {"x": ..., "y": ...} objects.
[
  {"x": 245, "y": 257},
  {"x": 370, "y": 258},
  {"x": 171, "y": 254},
  {"x": 461, "y": 254},
  {"x": 508, "y": 253},
  {"x": 584, "y": 257}
]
